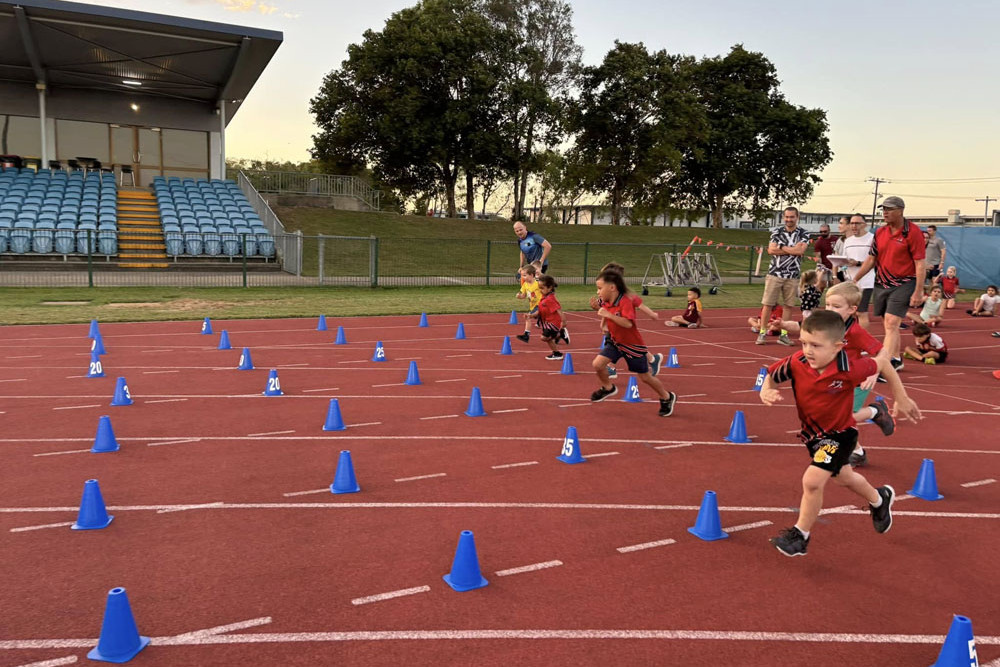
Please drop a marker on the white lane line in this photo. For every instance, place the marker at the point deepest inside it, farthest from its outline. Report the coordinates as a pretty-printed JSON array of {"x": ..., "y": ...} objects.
[
  {"x": 195, "y": 639},
  {"x": 76, "y": 407},
  {"x": 683, "y": 444},
  {"x": 391, "y": 384},
  {"x": 955, "y": 373},
  {"x": 167, "y": 400},
  {"x": 515, "y": 465},
  {"x": 306, "y": 391},
  {"x": 185, "y": 508},
  {"x": 504, "y": 377},
  {"x": 55, "y": 662},
  {"x": 691, "y": 395},
  {"x": 574, "y": 405},
  {"x": 439, "y": 417},
  {"x": 646, "y": 545},
  {"x": 594, "y": 456},
  {"x": 410, "y": 479},
  {"x": 455, "y": 380},
  {"x": 528, "y": 568},
  {"x": 158, "y": 372},
  {"x": 16, "y": 380},
  {"x": 195, "y": 636},
  {"x": 747, "y": 526},
  {"x": 71, "y": 451},
  {"x": 408, "y": 358},
  {"x": 306, "y": 493},
  {"x": 27, "y": 356},
  {"x": 359, "y": 361},
  {"x": 915, "y": 377},
  {"x": 982, "y": 482},
  {"x": 499, "y": 412},
  {"x": 452, "y": 356},
  {"x": 45, "y": 525},
  {"x": 902, "y": 496},
  {"x": 708, "y": 364},
  {"x": 390, "y": 595},
  {"x": 364, "y": 424},
  {"x": 258, "y": 435},
  {"x": 154, "y": 351},
  {"x": 292, "y": 365},
  {"x": 179, "y": 441}
]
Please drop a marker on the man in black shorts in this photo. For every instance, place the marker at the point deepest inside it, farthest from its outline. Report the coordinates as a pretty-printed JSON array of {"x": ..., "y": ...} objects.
[{"x": 897, "y": 255}]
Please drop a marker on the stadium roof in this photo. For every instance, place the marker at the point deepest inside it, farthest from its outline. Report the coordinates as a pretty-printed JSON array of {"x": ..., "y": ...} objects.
[{"x": 110, "y": 50}]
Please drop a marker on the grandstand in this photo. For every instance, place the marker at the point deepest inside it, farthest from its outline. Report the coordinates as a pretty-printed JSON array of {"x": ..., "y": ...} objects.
[{"x": 112, "y": 138}]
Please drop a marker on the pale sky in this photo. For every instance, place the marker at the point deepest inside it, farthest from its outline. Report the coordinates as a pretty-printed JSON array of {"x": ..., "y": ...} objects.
[{"x": 909, "y": 86}]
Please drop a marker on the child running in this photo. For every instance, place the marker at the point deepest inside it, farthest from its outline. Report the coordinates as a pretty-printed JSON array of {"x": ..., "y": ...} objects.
[
  {"x": 549, "y": 315},
  {"x": 654, "y": 360},
  {"x": 931, "y": 348},
  {"x": 529, "y": 290},
  {"x": 822, "y": 380},
  {"x": 617, "y": 311},
  {"x": 692, "y": 314},
  {"x": 933, "y": 306}
]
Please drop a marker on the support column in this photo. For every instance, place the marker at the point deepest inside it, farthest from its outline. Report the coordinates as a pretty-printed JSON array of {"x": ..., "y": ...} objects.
[
  {"x": 44, "y": 155},
  {"x": 222, "y": 139}
]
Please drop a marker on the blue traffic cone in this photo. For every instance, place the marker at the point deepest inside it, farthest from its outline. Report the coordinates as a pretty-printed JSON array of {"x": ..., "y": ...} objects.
[
  {"x": 246, "y": 363},
  {"x": 93, "y": 515},
  {"x": 98, "y": 344},
  {"x": 465, "y": 574},
  {"x": 632, "y": 391},
  {"x": 926, "y": 485},
  {"x": 567, "y": 367},
  {"x": 475, "y": 404},
  {"x": 122, "y": 394},
  {"x": 95, "y": 369},
  {"x": 672, "y": 361},
  {"x": 571, "y": 448},
  {"x": 708, "y": 526},
  {"x": 206, "y": 327},
  {"x": 423, "y": 320},
  {"x": 344, "y": 480},
  {"x": 379, "y": 354},
  {"x": 513, "y": 317},
  {"x": 738, "y": 429},
  {"x": 460, "y": 332},
  {"x": 273, "y": 387},
  {"x": 505, "y": 348},
  {"x": 105, "y": 441},
  {"x": 413, "y": 376},
  {"x": 334, "y": 422},
  {"x": 93, "y": 329},
  {"x": 341, "y": 338},
  {"x": 224, "y": 343},
  {"x": 759, "y": 382},
  {"x": 321, "y": 325},
  {"x": 959, "y": 646},
  {"x": 120, "y": 640}
]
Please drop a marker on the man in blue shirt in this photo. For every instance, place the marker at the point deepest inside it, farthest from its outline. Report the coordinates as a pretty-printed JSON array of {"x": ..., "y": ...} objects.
[{"x": 534, "y": 249}]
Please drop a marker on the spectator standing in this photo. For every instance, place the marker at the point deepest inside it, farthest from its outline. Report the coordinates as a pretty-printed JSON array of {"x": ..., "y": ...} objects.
[
  {"x": 824, "y": 246},
  {"x": 856, "y": 248},
  {"x": 787, "y": 246},
  {"x": 843, "y": 231},
  {"x": 936, "y": 252},
  {"x": 534, "y": 248},
  {"x": 897, "y": 256}
]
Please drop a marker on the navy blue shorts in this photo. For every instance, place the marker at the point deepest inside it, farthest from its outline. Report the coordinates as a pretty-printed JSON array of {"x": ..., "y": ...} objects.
[{"x": 635, "y": 364}]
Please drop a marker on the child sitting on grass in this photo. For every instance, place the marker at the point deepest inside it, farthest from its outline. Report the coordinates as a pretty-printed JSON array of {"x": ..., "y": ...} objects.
[
  {"x": 691, "y": 318},
  {"x": 930, "y": 349}
]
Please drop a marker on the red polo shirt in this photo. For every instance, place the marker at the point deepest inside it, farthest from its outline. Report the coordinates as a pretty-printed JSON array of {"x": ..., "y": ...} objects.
[
  {"x": 857, "y": 340},
  {"x": 896, "y": 252},
  {"x": 624, "y": 337}
]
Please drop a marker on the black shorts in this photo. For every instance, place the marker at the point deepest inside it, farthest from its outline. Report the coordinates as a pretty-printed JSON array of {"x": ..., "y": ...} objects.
[
  {"x": 866, "y": 298},
  {"x": 638, "y": 365},
  {"x": 933, "y": 271},
  {"x": 832, "y": 451},
  {"x": 893, "y": 300}
]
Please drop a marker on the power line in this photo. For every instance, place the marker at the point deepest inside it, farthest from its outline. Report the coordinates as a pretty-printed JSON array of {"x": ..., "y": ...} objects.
[{"x": 877, "y": 181}]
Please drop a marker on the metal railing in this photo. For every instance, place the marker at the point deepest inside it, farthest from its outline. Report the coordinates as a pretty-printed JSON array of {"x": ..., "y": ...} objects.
[
  {"x": 319, "y": 185},
  {"x": 289, "y": 253}
]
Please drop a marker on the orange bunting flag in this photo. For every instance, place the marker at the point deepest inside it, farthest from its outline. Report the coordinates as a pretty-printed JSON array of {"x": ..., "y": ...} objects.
[
  {"x": 709, "y": 243},
  {"x": 728, "y": 247}
]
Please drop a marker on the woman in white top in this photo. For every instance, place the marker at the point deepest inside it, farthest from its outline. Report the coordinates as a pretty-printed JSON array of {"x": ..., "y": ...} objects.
[{"x": 856, "y": 248}]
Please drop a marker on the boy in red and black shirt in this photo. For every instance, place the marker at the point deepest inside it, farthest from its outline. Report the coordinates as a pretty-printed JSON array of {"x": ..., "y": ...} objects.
[
  {"x": 613, "y": 304},
  {"x": 823, "y": 381}
]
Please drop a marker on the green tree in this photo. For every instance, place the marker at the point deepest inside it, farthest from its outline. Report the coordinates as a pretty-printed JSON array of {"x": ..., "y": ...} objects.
[
  {"x": 760, "y": 151},
  {"x": 416, "y": 101},
  {"x": 633, "y": 119}
]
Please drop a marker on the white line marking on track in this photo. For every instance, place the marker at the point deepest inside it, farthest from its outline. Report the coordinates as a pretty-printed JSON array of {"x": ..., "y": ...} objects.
[
  {"x": 498, "y": 412},
  {"x": 42, "y": 526},
  {"x": 306, "y": 493},
  {"x": 364, "y": 424},
  {"x": 179, "y": 441},
  {"x": 594, "y": 456},
  {"x": 158, "y": 372},
  {"x": 504, "y": 377},
  {"x": 528, "y": 568},
  {"x": 691, "y": 395},
  {"x": 55, "y": 662},
  {"x": 390, "y": 595},
  {"x": 438, "y": 417},
  {"x": 747, "y": 526},
  {"x": 71, "y": 451},
  {"x": 454, "y": 380},
  {"x": 391, "y": 384},
  {"x": 167, "y": 400},
  {"x": 185, "y": 508},
  {"x": 408, "y": 358},
  {"x": 76, "y": 407},
  {"x": 982, "y": 482},
  {"x": 194, "y": 636},
  {"x": 904, "y": 496},
  {"x": 707, "y": 364},
  {"x": 683, "y": 444},
  {"x": 257, "y": 435},
  {"x": 410, "y": 479},
  {"x": 306, "y": 391},
  {"x": 292, "y": 365},
  {"x": 515, "y": 465},
  {"x": 573, "y": 405},
  {"x": 16, "y": 380},
  {"x": 359, "y": 361},
  {"x": 452, "y": 356},
  {"x": 955, "y": 373},
  {"x": 27, "y": 356},
  {"x": 916, "y": 377},
  {"x": 646, "y": 545}
]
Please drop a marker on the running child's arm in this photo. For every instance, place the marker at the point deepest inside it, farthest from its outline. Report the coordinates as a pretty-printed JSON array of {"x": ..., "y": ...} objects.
[
  {"x": 623, "y": 322},
  {"x": 649, "y": 311},
  {"x": 769, "y": 394},
  {"x": 903, "y": 405}
]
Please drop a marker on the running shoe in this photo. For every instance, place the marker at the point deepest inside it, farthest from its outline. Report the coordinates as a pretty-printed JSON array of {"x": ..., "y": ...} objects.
[
  {"x": 882, "y": 515},
  {"x": 654, "y": 365},
  {"x": 603, "y": 393},
  {"x": 667, "y": 404},
  {"x": 554, "y": 356},
  {"x": 857, "y": 460},
  {"x": 791, "y": 542},
  {"x": 882, "y": 418}
]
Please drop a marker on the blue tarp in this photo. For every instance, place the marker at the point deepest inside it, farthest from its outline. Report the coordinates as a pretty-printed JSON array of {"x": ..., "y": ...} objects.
[{"x": 975, "y": 252}]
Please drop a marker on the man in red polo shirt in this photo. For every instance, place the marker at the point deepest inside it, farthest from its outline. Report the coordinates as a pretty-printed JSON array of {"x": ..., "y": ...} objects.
[{"x": 897, "y": 255}]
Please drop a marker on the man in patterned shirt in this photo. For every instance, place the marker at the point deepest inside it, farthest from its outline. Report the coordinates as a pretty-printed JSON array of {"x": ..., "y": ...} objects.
[{"x": 788, "y": 244}]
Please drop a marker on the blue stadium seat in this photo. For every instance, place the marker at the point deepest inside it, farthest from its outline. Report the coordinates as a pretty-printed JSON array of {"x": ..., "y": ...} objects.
[
  {"x": 193, "y": 242},
  {"x": 175, "y": 243},
  {"x": 65, "y": 239},
  {"x": 20, "y": 240},
  {"x": 213, "y": 242},
  {"x": 107, "y": 242}
]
